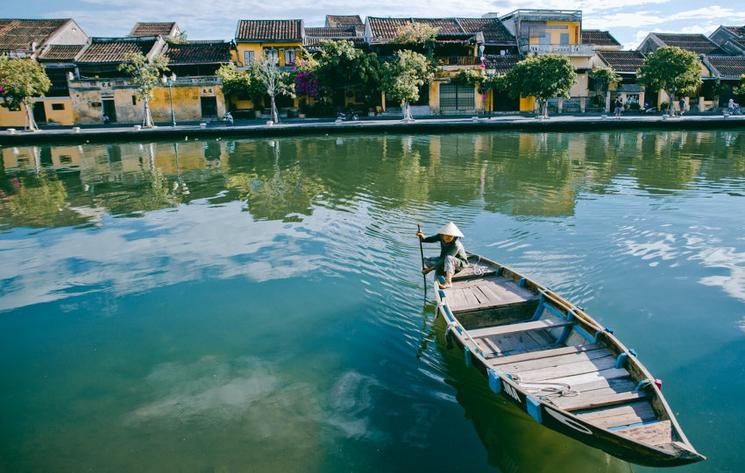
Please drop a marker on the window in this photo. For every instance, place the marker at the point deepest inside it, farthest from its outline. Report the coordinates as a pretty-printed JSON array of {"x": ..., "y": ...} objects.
[
  {"x": 58, "y": 106},
  {"x": 564, "y": 38},
  {"x": 248, "y": 57},
  {"x": 289, "y": 57},
  {"x": 134, "y": 100},
  {"x": 272, "y": 55}
]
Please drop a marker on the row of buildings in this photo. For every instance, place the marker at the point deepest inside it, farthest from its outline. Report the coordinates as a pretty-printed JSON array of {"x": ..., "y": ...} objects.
[{"x": 89, "y": 89}]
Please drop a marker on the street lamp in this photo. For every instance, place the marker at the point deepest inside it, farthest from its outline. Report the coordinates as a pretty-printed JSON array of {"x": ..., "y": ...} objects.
[{"x": 168, "y": 81}]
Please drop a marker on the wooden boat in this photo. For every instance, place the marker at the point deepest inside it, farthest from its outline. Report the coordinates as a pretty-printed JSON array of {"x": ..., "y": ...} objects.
[{"x": 560, "y": 366}]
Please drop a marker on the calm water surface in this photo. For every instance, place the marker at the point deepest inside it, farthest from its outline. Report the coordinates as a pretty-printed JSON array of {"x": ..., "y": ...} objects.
[{"x": 255, "y": 305}]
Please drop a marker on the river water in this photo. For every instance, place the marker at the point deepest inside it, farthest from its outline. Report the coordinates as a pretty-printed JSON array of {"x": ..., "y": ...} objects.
[{"x": 256, "y": 305}]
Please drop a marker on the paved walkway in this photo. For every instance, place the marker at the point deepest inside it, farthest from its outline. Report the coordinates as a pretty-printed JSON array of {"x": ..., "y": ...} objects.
[{"x": 433, "y": 125}]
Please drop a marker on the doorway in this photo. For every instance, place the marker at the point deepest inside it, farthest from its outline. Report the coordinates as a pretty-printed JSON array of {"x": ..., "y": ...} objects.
[
  {"x": 40, "y": 115},
  {"x": 109, "y": 110},
  {"x": 209, "y": 107}
]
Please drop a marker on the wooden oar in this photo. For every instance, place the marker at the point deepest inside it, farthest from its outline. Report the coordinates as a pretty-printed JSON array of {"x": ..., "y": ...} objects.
[{"x": 421, "y": 253}]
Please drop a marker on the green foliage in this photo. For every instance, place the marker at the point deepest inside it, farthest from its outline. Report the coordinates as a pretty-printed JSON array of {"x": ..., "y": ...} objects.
[
  {"x": 415, "y": 34},
  {"x": 21, "y": 80},
  {"x": 238, "y": 82},
  {"x": 604, "y": 78},
  {"x": 406, "y": 74},
  {"x": 739, "y": 90},
  {"x": 273, "y": 82},
  {"x": 468, "y": 77},
  {"x": 146, "y": 75},
  {"x": 340, "y": 68},
  {"x": 673, "y": 69},
  {"x": 542, "y": 77}
]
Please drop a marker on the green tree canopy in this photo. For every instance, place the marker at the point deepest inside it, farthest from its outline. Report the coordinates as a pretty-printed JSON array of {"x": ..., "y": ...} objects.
[
  {"x": 604, "y": 77},
  {"x": 542, "y": 77},
  {"x": 672, "y": 69},
  {"x": 238, "y": 82},
  {"x": 340, "y": 68},
  {"x": 273, "y": 81},
  {"x": 405, "y": 75},
  {"x": 739, "y": 91},
  {"x": 415, "y": 34},
  {"x": 146, "y": 75},
  {"x": 21, "y": 80}
]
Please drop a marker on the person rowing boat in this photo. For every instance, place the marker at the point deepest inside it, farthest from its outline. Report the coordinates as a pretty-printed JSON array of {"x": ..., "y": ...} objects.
[{"x": 453, "y": 257}]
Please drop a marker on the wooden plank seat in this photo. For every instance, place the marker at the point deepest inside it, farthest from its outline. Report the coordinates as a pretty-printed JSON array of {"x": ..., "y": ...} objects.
[
  {"x": 608, "y": 417},
  {"x": 534, "y": 355},
  {"x": 485, "y": 293},
  {"x": 541, "y": 324},
  {"x": 655, "y": 433},
  {"x": 597, "y": 398},
  {"x": 556, "y": 361}
]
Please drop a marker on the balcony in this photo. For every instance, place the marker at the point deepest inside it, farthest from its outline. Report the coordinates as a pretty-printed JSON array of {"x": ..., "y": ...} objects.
[{"x": 563, "y": 49}]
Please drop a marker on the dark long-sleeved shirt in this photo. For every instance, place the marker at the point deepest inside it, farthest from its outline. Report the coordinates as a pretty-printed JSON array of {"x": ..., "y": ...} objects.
[{"x": 454, "y": 248}]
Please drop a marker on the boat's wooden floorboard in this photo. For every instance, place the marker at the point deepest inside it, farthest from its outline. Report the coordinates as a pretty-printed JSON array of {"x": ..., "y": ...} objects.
[
  {"x": 598, "y": 377},
  {"x": 657, "y": 433},
  {"x": 541, "y": 324},
  {"x": 534, "y": 355},
  {"x": 555, "y": 361},
  {"x": 513, "y": 343},
  {"x": 628, "y": 414},
  {"x": 597, "y": 398},
  {"x": 474, "y": 270},
  {"x": 567, "y": 370},
  {"x": 484, "y": 293}
]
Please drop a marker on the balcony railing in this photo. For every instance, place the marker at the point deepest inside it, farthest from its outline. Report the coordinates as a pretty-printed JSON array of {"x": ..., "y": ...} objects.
[{"x": 565, "y": 49}]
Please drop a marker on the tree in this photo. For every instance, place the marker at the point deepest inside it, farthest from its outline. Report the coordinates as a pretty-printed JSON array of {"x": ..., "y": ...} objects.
[
  {"x": 415, "y": 34},
  {"x": 146, "y": 76},
  {"x": 273, "y": 81},
  {"x": 240, "y": 83},
  {"x": 673, "y": 69},
  {"x": 542, "y": 77},
  {"x": 604, "y": 78},
  {"x": 341, "y": 69},
  {"x": 739, "y": 90},
  {"x": 21, "y": 80},
  {"x": 405, "y": 75}
]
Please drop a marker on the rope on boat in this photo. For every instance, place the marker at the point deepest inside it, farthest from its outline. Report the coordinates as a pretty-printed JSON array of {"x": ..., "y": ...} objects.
[
  {"x": 478, "y": 269},
  {"x": 549, "y": 389}
]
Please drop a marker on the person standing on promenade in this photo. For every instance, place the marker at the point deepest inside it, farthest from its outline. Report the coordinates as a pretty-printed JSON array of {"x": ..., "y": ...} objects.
[
  {"x": 619, "y": 107},
  {"x": 453, "y": 257},
  {"x": 682, "y": 105}
]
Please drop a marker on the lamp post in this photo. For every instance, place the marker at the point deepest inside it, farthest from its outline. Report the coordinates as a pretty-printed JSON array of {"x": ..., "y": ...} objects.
[{"x": 168, "y": 81}]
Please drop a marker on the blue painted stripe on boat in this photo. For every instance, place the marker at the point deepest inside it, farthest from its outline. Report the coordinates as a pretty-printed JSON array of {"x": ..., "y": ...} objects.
[
  {"x": 442, "y": 294},
  {"x": 637, "y": 424},
  {"x": 621, "y": 360},
  {"x": 495, "y": 382},
  {"x": 585, "y": 335},
  {"x": 448, "y": 313},
  {"x": 555, "y": 311},
  {"x": 534, "y": 408},
  {"x": 521, "y": 283},
  {"x": 467, "y": 354},
  {"x": 538, "y": 311}
]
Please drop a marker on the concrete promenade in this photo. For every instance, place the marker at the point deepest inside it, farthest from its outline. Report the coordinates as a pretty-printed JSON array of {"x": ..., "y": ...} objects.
[{"x": 322, "y": 127}]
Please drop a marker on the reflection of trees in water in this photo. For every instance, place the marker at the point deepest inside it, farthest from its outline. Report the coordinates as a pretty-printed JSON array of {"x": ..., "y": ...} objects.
[
  {"x": 38, "y": 200},
  {"x": 512, "y": 173}
]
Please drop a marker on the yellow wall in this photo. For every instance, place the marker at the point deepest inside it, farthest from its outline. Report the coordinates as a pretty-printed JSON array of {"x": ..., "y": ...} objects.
[
  {"x": 258, "y": 49},
  {"x": 186, "y": 103},
  {"x": 17, "y": 119},
  {"x": 573, "y": 29},
  {"x": 527, "y": 104}
]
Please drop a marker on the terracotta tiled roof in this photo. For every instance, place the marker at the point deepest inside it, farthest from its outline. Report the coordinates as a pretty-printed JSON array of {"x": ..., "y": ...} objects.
[
  {"x": 335, "y": 21},
  {"x": 60, "y": 52},
  {"x": 623, "y": 62},
  {"x": 198, "y": 52},
  {"x": 329, "y": 32},
  {"x": 599, "y": 38},
  {"x": 101, "y": 50},
  {"x": 313, "y": 42},
  {"x": 501, "y": 64},
  {"x": 269, "y": 30},
  {"x": 736, "y": 30},
  {"x": 697, "y": 43},
  {"x": 494, "y": 31},
  {"x": 153, "y": 28},
  {"x": 728, "y": 67},
  {"x": 18, "y": 34}
]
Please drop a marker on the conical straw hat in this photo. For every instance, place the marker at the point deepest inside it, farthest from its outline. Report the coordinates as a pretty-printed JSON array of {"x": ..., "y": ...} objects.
[{"x": 450, "y": 229}]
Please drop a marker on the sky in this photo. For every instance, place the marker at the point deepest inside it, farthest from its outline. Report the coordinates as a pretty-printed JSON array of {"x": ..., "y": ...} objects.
[{"x": 628, "y": 20}]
